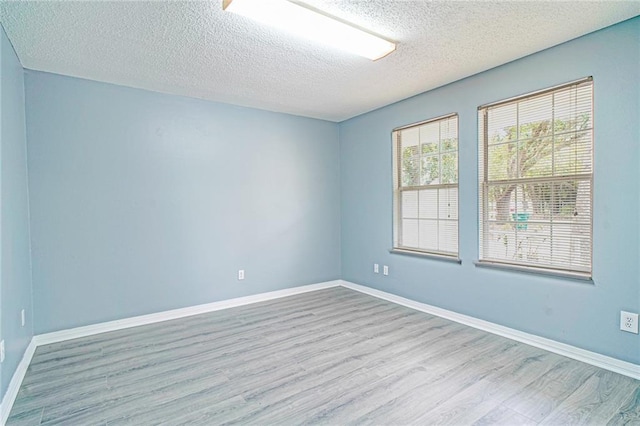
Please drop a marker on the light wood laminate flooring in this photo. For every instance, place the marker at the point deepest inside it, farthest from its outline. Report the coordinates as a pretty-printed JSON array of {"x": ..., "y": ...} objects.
[{"x": 332, "y": 356}]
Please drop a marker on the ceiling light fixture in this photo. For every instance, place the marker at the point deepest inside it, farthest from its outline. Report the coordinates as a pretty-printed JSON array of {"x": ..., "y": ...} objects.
[{"x": 313, "y": 25}]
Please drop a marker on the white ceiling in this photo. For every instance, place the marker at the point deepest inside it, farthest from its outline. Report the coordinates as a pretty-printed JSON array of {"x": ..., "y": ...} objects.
[{"x": 193, "y": 48}]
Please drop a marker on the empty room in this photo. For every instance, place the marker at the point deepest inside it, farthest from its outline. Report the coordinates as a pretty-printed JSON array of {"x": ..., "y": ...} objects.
[{"x": 270, "y": 212}]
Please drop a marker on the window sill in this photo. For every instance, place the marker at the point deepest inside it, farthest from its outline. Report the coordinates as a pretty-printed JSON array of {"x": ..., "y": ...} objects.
[
  {"x": 434, "y": 256},
  {"x": 578, "y": 276}
]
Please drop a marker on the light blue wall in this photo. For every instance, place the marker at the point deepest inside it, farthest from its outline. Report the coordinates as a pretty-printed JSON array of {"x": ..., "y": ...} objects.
[
  {"x": 15, "y": 287},
  {"x": 143, "y": 202},
  {"x": 577, "y": 313}
]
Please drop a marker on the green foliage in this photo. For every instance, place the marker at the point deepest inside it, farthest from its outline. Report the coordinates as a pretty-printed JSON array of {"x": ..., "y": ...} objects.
[
  {"x": 410, "y": 166},
  {"x": 437, "y": 163},
  {"x": 537, "y": 149}
]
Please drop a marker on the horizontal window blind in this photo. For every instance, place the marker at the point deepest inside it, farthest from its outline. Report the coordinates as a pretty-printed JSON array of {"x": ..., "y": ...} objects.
[
  {"x": 536, "y": 179},
  {"x": 426, "y": 186}
]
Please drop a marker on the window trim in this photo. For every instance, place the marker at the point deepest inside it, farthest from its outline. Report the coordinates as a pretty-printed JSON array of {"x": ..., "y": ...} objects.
[
  {"x": 423, "y": 122},
  {"x": 537, "y": 93},
  {"x": 550, "y": 272},
  {"x": 426, "y": 254},
  {"x": 483, "y": 182},
  {"x": 397, "y": 190}
]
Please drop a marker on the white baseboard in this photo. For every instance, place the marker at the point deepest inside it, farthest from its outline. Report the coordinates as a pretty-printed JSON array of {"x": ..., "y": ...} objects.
[
  {"x": 16, "y": 381},
  {"x": 89, "y": 330},
  {"x": 598, "y": 360},
  {"x": 593, "y": 358}
]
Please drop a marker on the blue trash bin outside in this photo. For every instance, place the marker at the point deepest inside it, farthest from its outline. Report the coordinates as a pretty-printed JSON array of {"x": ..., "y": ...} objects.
[{"x": 521, "y": 220}]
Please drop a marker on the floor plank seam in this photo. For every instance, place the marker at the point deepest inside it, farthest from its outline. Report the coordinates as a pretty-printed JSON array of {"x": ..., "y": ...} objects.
[{"x": 354, "y": 359}]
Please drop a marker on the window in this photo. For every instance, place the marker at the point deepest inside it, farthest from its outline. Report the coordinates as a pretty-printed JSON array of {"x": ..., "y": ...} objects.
[
  {"x": 536, "y": 180},
  {"x": 425, "y": 158}
]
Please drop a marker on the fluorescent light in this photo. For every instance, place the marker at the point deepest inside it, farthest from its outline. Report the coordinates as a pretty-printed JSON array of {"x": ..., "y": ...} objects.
[{"x": 313, "y": 25}]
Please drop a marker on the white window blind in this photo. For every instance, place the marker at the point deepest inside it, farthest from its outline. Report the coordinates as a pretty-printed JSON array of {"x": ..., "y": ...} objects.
[
  {"x": 536, "y": 180},
  {"x": 425, "y": 158}
]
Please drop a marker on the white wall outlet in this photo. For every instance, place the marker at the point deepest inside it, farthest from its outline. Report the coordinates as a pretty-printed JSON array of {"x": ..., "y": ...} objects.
[
  {"x": 240, "y": 274},
  {"x": 2, "y": 351},
  {"x": 629, "y": 322},
  {"x": 376, "y": 268},
  {"x": 385, "y": 270},
  {"x": 22, "y": 319}
]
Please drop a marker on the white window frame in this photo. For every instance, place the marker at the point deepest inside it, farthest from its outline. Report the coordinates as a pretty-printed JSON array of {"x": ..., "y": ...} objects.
[
  {"x": 398, "y": 189},
  {"x": 552, "y": 268}
]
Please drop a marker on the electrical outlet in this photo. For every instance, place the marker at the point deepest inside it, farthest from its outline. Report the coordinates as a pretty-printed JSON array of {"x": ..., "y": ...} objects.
[
  {"x": 22, "y": 319},
  {"x": 385, "y": 270},
  {"x": 376, "y": 268},
  {"x": 240, "y": 274},
  {"x": 629, "y": 322},
  {"x": 2, "y": 351}
]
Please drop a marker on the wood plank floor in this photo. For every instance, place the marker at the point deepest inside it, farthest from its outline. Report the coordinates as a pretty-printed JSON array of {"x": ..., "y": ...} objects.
[{"x": 333, "y": 356}]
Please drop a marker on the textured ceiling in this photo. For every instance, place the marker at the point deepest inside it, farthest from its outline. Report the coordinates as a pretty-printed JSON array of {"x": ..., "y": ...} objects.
[{"x": 193, "y": 48}]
